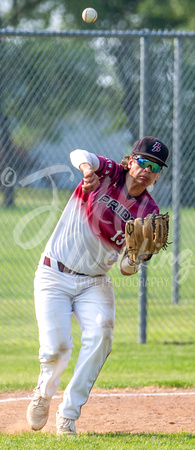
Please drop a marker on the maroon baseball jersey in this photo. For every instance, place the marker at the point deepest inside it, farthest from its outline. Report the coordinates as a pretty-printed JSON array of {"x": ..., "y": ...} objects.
[{"x": 90, "y": 234}]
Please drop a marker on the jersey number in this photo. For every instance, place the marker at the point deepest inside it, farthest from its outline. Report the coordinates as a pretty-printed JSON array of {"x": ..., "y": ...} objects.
[{"x": 115, "y": 237}]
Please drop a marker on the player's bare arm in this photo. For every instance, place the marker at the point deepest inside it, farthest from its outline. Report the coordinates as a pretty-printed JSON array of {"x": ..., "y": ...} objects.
[
  {"x": 126, "y": 268},
  {"x": 90, "y": 179}
]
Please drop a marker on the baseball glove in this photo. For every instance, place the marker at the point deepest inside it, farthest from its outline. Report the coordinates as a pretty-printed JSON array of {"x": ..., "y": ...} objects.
[{"x": 145, "y": 237}]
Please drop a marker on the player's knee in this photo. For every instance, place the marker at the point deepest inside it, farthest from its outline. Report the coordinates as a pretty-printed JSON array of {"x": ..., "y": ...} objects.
[
  {"x": 99, "y": 339},
  {"x": 106, "y": 331},
  {"x": 104, "y": 339},
  {"x": 49, "y": 355}
]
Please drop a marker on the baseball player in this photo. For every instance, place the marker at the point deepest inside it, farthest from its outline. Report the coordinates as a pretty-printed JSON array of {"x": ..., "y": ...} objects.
[{"x": 72, "y": 278}]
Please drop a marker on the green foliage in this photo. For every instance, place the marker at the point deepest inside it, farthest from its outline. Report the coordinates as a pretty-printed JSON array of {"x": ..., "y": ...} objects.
[
  {"x": 54, "y": 80},
  {"x": 115, "y": 14},
  {"x": 171, "y": 14}
]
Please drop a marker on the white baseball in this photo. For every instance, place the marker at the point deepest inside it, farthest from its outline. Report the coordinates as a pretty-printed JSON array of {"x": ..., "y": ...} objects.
[{"x": 89, "y": 15}]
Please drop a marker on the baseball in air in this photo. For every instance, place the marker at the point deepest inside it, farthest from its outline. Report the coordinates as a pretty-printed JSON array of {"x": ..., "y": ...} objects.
[{"x": 89, "y": 15}]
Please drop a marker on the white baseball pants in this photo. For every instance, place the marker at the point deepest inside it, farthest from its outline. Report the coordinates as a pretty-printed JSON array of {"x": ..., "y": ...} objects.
[{"x": 91, "y": 299}]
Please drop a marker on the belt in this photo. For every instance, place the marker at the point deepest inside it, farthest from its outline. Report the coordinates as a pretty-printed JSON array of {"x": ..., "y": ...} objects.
[{"x": 61, "y": 267}]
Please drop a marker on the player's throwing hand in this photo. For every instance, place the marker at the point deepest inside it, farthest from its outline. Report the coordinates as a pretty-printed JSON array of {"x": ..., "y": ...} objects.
[{"x": 90, "y": 179}]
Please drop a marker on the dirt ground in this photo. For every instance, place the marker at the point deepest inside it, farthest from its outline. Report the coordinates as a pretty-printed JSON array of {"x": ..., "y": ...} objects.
[{"x": 148, "y": 410}]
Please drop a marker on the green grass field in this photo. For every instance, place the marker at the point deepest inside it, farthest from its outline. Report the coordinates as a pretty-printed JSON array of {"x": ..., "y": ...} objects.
[
  {"x": 166, "y": 360},
  {"x": 127, "y": 366},
  {"x": 109, "y": 441}
]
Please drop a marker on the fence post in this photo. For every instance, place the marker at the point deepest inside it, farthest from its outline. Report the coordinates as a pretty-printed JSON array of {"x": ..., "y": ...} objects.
[
  {"x": 144, "y": 43},
  {"x": 176, "y": 174}
]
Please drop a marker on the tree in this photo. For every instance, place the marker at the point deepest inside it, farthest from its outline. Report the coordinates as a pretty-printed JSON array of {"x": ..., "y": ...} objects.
[{"x": 112, "y": 14}]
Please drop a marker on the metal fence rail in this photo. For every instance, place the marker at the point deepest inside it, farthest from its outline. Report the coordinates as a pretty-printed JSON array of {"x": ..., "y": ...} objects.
[{"x": 99, "y": 91}]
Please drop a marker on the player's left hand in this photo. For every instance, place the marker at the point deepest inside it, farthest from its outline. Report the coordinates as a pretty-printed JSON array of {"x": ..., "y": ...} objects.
[{"x": 145, "y": 237}]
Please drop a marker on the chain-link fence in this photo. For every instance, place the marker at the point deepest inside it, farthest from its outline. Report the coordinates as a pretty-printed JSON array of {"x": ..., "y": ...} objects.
[{"x": 98, "y": 91}]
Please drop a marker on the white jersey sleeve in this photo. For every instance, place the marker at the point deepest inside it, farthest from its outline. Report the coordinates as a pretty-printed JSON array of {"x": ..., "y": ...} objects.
[{"x": 78, "y": 157}]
